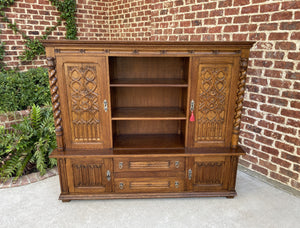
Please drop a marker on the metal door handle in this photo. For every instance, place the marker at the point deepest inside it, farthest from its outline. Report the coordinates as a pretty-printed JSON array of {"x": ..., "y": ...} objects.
[
  {"x": 108, "y": 175},
  {"x": 105, "y": 105}
]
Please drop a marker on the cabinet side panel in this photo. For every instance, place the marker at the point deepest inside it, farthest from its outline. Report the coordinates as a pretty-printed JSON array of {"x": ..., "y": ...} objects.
[{"x": 63, "y": 179}]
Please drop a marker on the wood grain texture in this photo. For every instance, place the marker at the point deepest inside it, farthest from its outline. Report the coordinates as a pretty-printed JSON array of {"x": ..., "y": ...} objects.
[
  {"x": 148, "y": 82},
  {"x": 239, "y": 102},
  {"x": 55, "y": 103},
  {"x": 149, "y": 141},
  {"x": 86, "y": 88},
  {"x": 229, "y": 194},
  {"x": 140, "y": 142},
  {"x": 216, "y": 80},
  {"x": 146, "y": 113}
]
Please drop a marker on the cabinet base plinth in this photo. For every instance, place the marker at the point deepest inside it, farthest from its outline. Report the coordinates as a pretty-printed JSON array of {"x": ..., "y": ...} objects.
[{"x": 66, "y": 198}]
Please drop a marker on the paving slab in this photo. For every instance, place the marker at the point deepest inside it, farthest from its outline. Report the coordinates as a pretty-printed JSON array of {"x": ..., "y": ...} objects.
[{"x": 257, "y": 205}]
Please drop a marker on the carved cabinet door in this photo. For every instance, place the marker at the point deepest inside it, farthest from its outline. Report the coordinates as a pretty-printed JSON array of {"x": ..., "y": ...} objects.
[
  {"x": 213, "y": 93},
  {"x": 89, "y": 175},
  {"x": 84, "y": 95},
  {"x": 208, "y": 173}
]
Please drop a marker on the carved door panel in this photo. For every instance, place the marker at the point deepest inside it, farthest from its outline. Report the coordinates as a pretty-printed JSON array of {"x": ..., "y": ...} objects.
[
  {"x": 214, "y": 93},
  {"x": 89, "y": 176},
  {"x": 84, "y": 92},
  {"x": 208, "y": 173}
]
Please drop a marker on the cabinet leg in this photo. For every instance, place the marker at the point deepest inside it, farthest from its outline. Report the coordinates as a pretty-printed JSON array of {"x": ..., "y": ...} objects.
[
  {"x": 65, "y": 201},
  {"x": 229, "y": 197}
]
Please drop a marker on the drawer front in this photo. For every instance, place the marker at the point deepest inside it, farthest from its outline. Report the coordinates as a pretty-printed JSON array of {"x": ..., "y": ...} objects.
[
  {"x": 144, "y": 185},
  {"x": 149, "y": 164}
]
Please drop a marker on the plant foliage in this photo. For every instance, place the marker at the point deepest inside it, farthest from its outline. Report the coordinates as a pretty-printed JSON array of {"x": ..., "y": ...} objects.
[
  {"x": 34, "y": 47},
  {"x": 31, "y": 142},
  {"x": 2, "y": 53},
  {"x": 22, "y": 89}
]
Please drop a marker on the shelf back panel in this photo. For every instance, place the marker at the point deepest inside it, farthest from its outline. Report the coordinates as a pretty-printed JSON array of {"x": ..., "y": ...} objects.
[{"x": 148, "y": 67}]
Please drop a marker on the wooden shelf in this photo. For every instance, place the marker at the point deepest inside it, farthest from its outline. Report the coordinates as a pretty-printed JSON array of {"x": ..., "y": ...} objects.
[
  {"x": 147, "y": 113},
  {"x": 148, "y": 82},
  {"x": 152, "y": 141}
]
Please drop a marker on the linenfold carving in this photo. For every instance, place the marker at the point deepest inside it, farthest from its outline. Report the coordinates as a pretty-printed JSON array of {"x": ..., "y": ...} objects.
[
  {"x": 87, "y": 175},
  {"x": 239, "y": 102},
  {"x": 209, "y": 172},
  {"x": 84, "y": 94},
  {"x": 55, "y": 102},
  {"x": 211, "y": 99}
]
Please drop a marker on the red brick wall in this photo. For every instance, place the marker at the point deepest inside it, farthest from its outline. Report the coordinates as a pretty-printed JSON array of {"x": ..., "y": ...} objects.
[
  {"x": 33, "y": 16},
  {"x": 130, "y": 20},
  {"x": 10, "y": 118},
  {"x": 270, "y": 129}
]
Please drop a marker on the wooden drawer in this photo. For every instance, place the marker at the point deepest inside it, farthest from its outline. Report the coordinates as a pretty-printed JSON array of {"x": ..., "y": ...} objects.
[
  {"x": 149, "y": 164},
  {"x": 142, "y": 185}
]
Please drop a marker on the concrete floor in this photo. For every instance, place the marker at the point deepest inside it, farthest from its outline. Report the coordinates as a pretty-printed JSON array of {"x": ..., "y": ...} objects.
[{"x": 257, "y": 205}]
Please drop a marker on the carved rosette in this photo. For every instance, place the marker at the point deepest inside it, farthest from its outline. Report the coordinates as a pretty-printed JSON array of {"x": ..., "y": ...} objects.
[
  {"x": 239, "y": 102},
  {"x": 55, "y": 102}
]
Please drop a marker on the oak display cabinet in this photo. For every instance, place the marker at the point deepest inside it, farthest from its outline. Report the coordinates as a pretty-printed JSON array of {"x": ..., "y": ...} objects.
[{"x": 147, "y": 119}]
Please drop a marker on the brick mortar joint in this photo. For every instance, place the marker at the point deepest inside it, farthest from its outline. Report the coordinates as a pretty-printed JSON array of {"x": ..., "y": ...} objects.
[{"x": 270, "y": 157}]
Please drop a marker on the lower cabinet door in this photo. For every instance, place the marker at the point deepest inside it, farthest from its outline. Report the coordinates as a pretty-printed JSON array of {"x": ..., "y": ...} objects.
[
  {"x": 89, "y": 175},
  {"x": 208, "y": 173},
  {"x": 148, "y": 185}
]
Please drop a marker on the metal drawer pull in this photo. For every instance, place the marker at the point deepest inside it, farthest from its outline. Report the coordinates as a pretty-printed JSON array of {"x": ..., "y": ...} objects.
[
  {"x": 176, "y": 164},
  {"x": 121, "y": 185},
  {"x": 108, "y": 175},
  {"x": 190, "y": 174},
  {"x": 120, "y": 165},
  {"x": 176, "y": 184}
]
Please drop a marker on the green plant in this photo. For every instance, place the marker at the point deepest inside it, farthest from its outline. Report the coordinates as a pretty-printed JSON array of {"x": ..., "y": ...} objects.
[
  {"x": 34, "y": 47},
  {"x": 67, "y": 9},
  {"x": 22, "y": 89},
  {"x": 31, "y": 142},
  {"x": 2, "y": 53}
]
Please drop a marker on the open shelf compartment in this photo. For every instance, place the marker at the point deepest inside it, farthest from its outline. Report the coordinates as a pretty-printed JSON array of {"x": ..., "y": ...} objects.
[
  {"x": 151, "y": 141},
  {"x": 148, "y": 71},
  {"x": 148, "y": 134},
  {"x": 146, "y": 113}
]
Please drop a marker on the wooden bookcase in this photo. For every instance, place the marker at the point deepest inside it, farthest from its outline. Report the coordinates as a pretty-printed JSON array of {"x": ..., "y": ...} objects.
[{"x": 123, "y": 120}]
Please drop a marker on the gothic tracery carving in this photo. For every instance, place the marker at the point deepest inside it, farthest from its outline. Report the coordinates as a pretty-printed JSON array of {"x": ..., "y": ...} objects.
[
  {"x": 211, "y": 96},
  {"x": 84, "y": 94}
]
